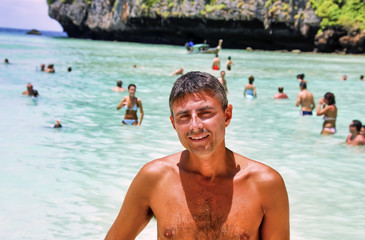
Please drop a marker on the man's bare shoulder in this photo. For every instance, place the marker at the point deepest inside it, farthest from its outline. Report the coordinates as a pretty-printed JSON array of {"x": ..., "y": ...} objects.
[
  {"x": 257, "y": 172},
  {"x": 158, "y": 168}
]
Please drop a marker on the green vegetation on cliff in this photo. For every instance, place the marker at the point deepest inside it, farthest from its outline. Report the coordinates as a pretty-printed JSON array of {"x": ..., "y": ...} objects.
[{"x": 349, "y": 14}]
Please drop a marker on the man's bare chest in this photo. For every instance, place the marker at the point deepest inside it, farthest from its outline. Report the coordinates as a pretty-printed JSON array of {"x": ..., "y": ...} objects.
[{"x": 196, "y": 211}]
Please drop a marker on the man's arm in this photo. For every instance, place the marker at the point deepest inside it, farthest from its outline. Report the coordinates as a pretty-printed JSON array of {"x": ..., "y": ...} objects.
[
  {"x": 135, "y": 212},
  {"x": 275, "y": 224},
  {"x": 313, "y": 103}
]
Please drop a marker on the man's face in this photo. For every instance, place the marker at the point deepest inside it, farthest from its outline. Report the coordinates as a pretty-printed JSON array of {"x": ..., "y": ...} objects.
[
  {"x": 200, "y": 122},
  {"x": 223, "y": 74},
  {"x": 352, "y": 128}
]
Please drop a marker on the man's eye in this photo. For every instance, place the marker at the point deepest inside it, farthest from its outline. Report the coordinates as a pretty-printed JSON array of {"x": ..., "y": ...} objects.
[
  {"x": 184, "y": 116},
  {"x": 205, "y": 113}
]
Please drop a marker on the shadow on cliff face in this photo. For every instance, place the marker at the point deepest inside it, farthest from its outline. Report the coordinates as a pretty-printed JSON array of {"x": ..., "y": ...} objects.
[{"x": 178, "y": 31}]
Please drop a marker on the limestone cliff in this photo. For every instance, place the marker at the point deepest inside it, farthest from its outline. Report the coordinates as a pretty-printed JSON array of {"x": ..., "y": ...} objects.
[{"x": 259, "y": 24}]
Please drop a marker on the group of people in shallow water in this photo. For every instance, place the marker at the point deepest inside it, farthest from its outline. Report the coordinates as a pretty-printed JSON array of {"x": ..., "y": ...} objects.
[
  {"x": 326, "y": 105},
  {"x": 326, "y": 108}
]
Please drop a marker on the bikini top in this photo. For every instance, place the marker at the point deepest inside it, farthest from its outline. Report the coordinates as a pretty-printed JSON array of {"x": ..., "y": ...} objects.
[{"x": 134, "y": 108}]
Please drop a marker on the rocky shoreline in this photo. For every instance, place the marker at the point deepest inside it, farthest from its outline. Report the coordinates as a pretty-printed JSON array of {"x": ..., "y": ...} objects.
[{"x": 265, "y": 25}]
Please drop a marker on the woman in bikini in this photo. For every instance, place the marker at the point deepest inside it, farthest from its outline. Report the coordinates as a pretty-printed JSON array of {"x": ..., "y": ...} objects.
[
  {"x": 131, "y": 103},
  {"x": 328, "y": 109}
]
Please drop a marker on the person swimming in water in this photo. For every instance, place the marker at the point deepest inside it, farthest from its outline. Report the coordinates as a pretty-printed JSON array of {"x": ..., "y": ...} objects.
[
  {"x": 354, "y": 138},
  {"x": 179, "y": 71},
  {"x": 50, "y": 69},
  {"x": 132, "y": 103},
  {"x": 250, "y": 89},
  {"x": 30, "y": 91},
  {"x": 328, "y": 109},
  {"x": 281, "y": 94},
  {"x": 362, "y": 131},
  {"x": 57, "y": 125},
  {"x": 119, "y": 87}
]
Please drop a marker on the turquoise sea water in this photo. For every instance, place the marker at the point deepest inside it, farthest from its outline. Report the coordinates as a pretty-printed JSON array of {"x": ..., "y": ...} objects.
[{"x": 69, "y": 183}]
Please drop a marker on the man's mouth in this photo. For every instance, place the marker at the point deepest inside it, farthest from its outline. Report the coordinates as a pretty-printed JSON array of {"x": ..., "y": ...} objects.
[{"x": 198, "y": 138}]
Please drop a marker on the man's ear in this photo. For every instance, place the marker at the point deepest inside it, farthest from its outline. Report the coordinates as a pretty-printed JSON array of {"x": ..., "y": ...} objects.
[
  {"x": 172, "y": 122},
  {"x": 228, "y": 115}
]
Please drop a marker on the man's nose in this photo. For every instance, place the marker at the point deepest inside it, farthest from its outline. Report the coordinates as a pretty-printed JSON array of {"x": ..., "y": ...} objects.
[{"x": 195, "y": 123}]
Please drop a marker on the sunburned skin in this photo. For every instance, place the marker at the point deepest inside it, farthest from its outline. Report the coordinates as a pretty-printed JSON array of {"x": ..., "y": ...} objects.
[{"x": 215, "y": 209}]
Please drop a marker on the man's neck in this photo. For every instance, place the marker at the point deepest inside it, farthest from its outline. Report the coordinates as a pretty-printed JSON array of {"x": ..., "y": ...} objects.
[
  {"x": 354, "y": 135},
  {"x": 216, "y": 164}
]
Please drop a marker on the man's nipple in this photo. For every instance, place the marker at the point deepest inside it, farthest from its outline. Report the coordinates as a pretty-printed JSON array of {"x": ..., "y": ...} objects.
[
  {"x": 168, "y": 233},
  {"x": 244, "y": 236}
]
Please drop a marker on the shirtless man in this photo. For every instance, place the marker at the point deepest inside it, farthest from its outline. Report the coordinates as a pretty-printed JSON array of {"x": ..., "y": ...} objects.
[
  {"x": 305, "y": 99},
  {"x": 119, "y": 87},
  {"x": 355, "y": 138},
  {"x": 205, "y": 192},
  {"x": 216, "y": 62},
  {"x": 50, "y": 69},
  {"x": 29, "y": 91},
  {"x": 229, "y": 63},
  {"x": 223, "y": 81},
  {"x": 281, "y": 94}
]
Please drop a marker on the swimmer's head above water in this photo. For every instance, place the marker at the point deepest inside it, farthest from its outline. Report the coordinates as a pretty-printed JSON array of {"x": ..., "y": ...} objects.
[{"x": 57, "y": 125}]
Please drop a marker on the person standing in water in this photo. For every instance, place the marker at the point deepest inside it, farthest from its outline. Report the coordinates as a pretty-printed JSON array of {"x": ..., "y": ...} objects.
[
  {"x": 206, "y": 191},
  {"x": 328, "y": 109},
  {"x": 305, "y": 100},
  {"x": 216, "y": 62},
  {"x": 229, "y": 63},
  {"x": 250, "y": 89},
  {"x": 223, "y": 80},
  {"x": 300, "y": 78},
  {"x": 132, "y": 104}
]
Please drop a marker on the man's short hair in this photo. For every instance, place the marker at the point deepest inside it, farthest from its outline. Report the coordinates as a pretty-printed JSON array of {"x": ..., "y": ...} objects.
[
  {"x": 303, "y": 85},
  {"x": 119, "y": 83},
  {"x": 195, "y": 82},
  {"x": 280, "y": 89},
  {"x": 357, "y": 124}
]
